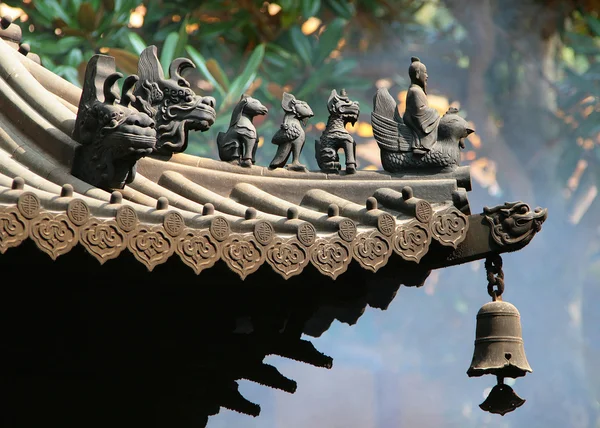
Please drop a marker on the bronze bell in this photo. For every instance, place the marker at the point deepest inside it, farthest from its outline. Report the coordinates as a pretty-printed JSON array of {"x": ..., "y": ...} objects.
[{"x": 498, "y": 343}]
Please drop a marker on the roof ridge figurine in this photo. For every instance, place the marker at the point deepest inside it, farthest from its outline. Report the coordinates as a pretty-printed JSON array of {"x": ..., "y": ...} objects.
[
  {"x": 238, "y": 145},
  {"x": 113, "y": 135},
  {"x": 171, "y": 102},
  {"x": 335, "y": 136},
  {"x": 291, "y": 136},
  {"x": 420, "y": 139}
]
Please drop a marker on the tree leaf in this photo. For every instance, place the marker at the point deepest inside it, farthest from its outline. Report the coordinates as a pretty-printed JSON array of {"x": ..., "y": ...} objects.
[
  {"x": 343, "y": 8},
  {"x": 243, "y": 81},
  {"x": 200, "y": 63},
  {"x": 86, "y": 17},
  {"x": 216, "y": 70},
  {"x": 330, "y": 38},
  {"x": 593, "y": 23},
  {"x": 167, "y": 53},
  {"x": 301, "y": 44},
  {"x": 136, "y": 42},
  {"x": 125, "y": 60},
  {"x": 310, "y": 7}
]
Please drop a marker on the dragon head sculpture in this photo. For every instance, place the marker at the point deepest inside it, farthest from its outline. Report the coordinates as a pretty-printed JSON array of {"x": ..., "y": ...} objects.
[
  {"x": 112, "y": 134},
  {"x": 514, "y": 223},
  {"x": 171, "y": 102},
  {"x": 341, "y": 106}
]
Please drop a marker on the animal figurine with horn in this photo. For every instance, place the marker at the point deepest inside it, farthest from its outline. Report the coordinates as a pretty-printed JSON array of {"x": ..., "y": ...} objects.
[
  {"x": 238, "y": 145},
  {"x": 171, "y": 102},
  {"x": 420, "y": 139},
  {"x": 113, "y": 135},
  {"x": 291, "y": 136},
  {"x": 335, "y": 136}
]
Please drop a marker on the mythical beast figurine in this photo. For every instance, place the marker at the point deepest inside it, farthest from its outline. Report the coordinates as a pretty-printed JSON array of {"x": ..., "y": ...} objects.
[
  {"x": 170, "y": 102},
  {"x": 238, "y": 145},
  {"x": 335, "y": 136},
  {"x": 290, "y": 137},
  {"x": 112, "y": 134},
  {"x": 420, "y": 139}
]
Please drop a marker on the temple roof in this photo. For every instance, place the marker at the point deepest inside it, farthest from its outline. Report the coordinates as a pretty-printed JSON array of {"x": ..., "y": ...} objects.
[{"x": 204, "y": 210}]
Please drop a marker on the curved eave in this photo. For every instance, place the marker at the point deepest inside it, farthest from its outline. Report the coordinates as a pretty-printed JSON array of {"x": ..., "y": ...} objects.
[{"x": 201, "y": 209}]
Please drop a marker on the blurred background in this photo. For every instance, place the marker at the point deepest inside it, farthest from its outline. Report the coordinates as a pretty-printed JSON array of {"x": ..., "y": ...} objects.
[{"x": 524, "y": 72}]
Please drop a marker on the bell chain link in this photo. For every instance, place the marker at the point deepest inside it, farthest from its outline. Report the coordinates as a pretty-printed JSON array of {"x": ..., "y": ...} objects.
[{"x": 495, "y": 276}]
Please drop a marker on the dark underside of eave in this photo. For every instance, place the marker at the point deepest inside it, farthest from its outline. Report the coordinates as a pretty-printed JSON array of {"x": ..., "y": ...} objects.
[{"x": 87, "y": 344}]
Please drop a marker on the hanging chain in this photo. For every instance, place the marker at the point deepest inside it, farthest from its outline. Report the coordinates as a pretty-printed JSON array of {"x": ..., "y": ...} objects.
[{"x": 495, "y": 276}]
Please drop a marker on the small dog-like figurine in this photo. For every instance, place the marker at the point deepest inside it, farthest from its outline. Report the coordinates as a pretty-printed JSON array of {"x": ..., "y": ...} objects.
[
  {"x": 335, "y": 136},
  {"x": 290, "y": 137},
  {"x": 238, "y": 145}
]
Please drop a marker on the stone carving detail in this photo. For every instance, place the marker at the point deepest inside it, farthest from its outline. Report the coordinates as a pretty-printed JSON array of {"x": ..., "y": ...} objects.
[
  {"x": 150, "y": 245},
  {"x": 197, "y": 250},
  {"x": 386, "y": 224},
  {"x": 238, "y": 145},
  {"x": 103, "y": 240},
  {"x": 175, "y": 108},
  {"x": 347, "y": 230},
  {"x": 173, "y": 223},
  {"x": 78, "y": 212},
  {"x": 290, "y": 137},
  {"x": 288, "y": 257},
  {"x": 514, "y": 223},
  {"x": 242, "y": 255},
  {"x": 126, "y": 218},
  {"x": 29, "y": 205},
  {"x": 411, "y": 240},
  {"x": 371, "y": 250},
  {"x": 419, "y": 139},
  {"x": 335, "y": 136},
  {"x": 263, "y": 232},
  {"x": 306, "y": 234},
  {"x": 219, "y": 228},
  {"x": 113, "y": 135},
  {"x": 13, "y": 229},
  {"x": 54, "y": 235},
  {"x": 331, "y": 256},
  {"x": 449, "y": 227},
  {"x": 423, "y": 211}
]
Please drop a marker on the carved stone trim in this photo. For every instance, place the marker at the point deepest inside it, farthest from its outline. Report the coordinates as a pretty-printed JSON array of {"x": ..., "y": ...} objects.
[
  {"x": 331, "y": 256},
  {"x": 372, "y": 250},
  {"x": 173, "y": 223},
  {"x": 54, "y": 234},
  {"x": 306, "y": 234},
  {"x": 450, "y": 227},
  {"x": 263, "y": 232},
  {"x": 103, "y": 240},
  {"x": 126, "y": 218},
  {"x": 347, "y": 230},
  {"x": 423, "y": 211},
  {"x": 78, "y": 212},
  {"x": 287, "y": 257},
  {"x": 386, "y": 224},
  {"x": 514, "y": 223},
  {"x": 242, "y": 254},
  {"x": 219, "y": 228},
  {"x": 411, "y": 240},
  {"x": 29, "y": 205},
  {"x": 13, "y": 228},
  {"x": 198, "y": 250},
  {"x": 151, "y": 245}
]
